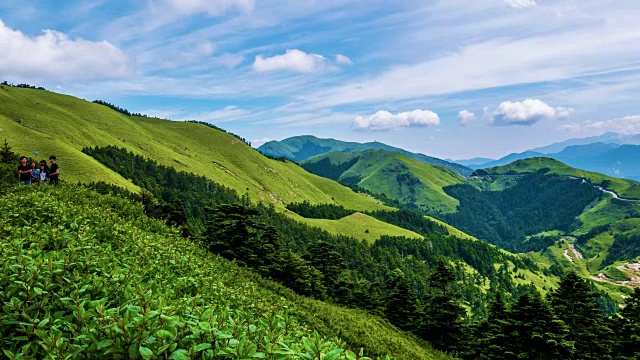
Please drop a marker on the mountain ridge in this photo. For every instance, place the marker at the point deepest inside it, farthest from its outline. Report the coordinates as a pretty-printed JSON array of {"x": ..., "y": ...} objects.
[{"x": 299, "y": 148}]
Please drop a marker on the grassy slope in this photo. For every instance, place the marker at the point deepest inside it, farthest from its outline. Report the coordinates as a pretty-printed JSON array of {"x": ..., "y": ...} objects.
[
  {"x": 113, "y": 244},
  {"x": 359, "y": 226},
  {"x": 380, "y": 170},
  {"x": 452, "y": 230},
  {"x": 52, "y": 123},
  {"x": 623, "y": 187}
]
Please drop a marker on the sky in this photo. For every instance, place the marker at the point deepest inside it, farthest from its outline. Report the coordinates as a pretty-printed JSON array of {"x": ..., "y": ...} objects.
[{"x": 454, "y": 79}]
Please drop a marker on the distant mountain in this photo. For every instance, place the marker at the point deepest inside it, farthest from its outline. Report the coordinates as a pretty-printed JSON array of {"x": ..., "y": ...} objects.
[
  {"x": 607, "y": 158},
  {"x": 508, "y": 159},
  {"x": 472, "y": 163},
  {"x": 391, "y": 173},
  {"x": 607, "y": 138},
  {"x": 623, "y": 187},
  {"x": 299, "y": 148}
]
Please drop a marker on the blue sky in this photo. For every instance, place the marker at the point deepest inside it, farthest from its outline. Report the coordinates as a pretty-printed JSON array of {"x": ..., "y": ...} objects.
[{"x": 453, "y": 79}]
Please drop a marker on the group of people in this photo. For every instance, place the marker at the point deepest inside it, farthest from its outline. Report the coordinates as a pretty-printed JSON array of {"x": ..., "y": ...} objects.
[{"x": 32, "y": 174}]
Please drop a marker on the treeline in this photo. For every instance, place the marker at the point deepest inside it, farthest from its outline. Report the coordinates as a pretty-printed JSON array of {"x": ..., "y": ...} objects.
[
  {"x": 118, "y": 109},
  {"x": 567, "y": 324},
  {"x": 623, "y": 247},
  {"x": 220, "y": 129},
  {"x": 24, "y": 86},
  {"x": 327, "y": 169},
  {"x": 537, "y": 203}
]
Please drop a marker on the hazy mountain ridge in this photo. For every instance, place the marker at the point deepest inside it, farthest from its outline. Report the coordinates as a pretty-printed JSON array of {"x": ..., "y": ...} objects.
[{"x": 299, "y": 148}]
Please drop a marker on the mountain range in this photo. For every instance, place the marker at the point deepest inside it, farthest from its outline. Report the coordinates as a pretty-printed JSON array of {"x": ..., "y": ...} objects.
[
  {"x": 299, "y": 148},
  {"x": 611, "y": 153}
]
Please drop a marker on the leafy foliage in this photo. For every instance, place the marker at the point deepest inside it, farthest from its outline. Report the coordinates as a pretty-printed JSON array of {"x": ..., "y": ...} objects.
[{"x": 90, "y": 276}]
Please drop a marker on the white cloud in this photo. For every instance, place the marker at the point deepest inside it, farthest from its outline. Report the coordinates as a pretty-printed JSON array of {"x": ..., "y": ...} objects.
[
  {"x": 54, "y": 55},
  {"x": 520, "y": 4},
  {"x": 384, "y": 120},
  {"x": 210, "y": 7},
  {"x": 292, "y": 60},
  {"x": 527, "y": 112},
  {"x": 465, "y": 117},
  {"x": 343, "y": 60},
  {"x": 626, "y": 125}
]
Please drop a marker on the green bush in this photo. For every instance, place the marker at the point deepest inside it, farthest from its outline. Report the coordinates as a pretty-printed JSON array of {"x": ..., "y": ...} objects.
[{"x": 89, "y": 276}]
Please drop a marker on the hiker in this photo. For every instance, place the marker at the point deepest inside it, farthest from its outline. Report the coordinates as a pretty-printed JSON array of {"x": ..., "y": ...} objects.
[
  {"x": 54, "y": 171},
  {"x": 24, "y": 171},
  {"x": 35, "y": 173},
  {"x": 44, "y": 170}
]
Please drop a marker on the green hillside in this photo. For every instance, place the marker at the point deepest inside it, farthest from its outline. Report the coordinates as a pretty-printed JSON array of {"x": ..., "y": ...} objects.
[
  {"x": 393, "y": 174},
  {"x": 359, "y": 226},
  {"x": 300, "y": 148},
  {"x": 47, "y": 122},
  {"x": 51, "y": 123},
  {"x": 90, "y": 276},
  {"x": 623, "y": 187}
]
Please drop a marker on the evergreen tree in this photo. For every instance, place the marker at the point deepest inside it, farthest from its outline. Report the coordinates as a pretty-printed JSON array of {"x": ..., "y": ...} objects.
[
  {"x": 629, "y": 328},
  {"x": 491, "y": 335},
  {"x": 575, "y": 304},
  {"x": 443, "y": 315},
  {"x": 533, "y": 332},
  {"x": 402, "y": 308},
  {"x": 7, "y": 156}
]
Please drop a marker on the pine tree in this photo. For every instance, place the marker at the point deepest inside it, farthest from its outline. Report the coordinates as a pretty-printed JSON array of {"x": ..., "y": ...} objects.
[
  {"x": 575, "y": 304},
  {"x": 491, "y": 335},
  {"x": 629, "y": 328},
  {"x": 401, "y": 309},
  {"x": 443, "y": 316},
  {"x": 533, "y": 332},
  {"x": 7, "y": 156}
]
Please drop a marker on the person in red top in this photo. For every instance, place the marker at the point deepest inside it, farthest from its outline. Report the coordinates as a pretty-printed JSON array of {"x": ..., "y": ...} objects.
[{"x": 24, "y": 171}]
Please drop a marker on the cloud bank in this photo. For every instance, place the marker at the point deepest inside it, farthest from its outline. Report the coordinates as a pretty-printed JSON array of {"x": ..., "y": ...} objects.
[
  {"x": 527, "y": 112},
  {"x": 384, "y": 120},
  {"x": 53, "y": 55}
]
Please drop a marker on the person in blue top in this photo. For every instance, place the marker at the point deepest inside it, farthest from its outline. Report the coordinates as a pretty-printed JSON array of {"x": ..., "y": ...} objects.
[{"x": 35, "y": 173}]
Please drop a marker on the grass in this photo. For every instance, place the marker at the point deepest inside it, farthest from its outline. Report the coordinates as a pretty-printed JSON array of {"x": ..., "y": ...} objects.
[
  {"x": 104, "y": 267},
  {"x": 399, "y": 177},
  {"x": 359, "y": 226},
  {"x": 452, "y": 230},
  {"x": 51, "y": 123},
  {"x": 623, "y": 187}
]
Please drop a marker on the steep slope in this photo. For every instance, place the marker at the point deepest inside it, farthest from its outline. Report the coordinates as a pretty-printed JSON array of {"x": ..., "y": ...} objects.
[
  {"x": 622, "y": 187},
  {"x": 51, "y": 123},
  {"x": 126, "y": 286},
  {"x": 299, "y": 148},
  {"x": 393, "y": 174}
]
